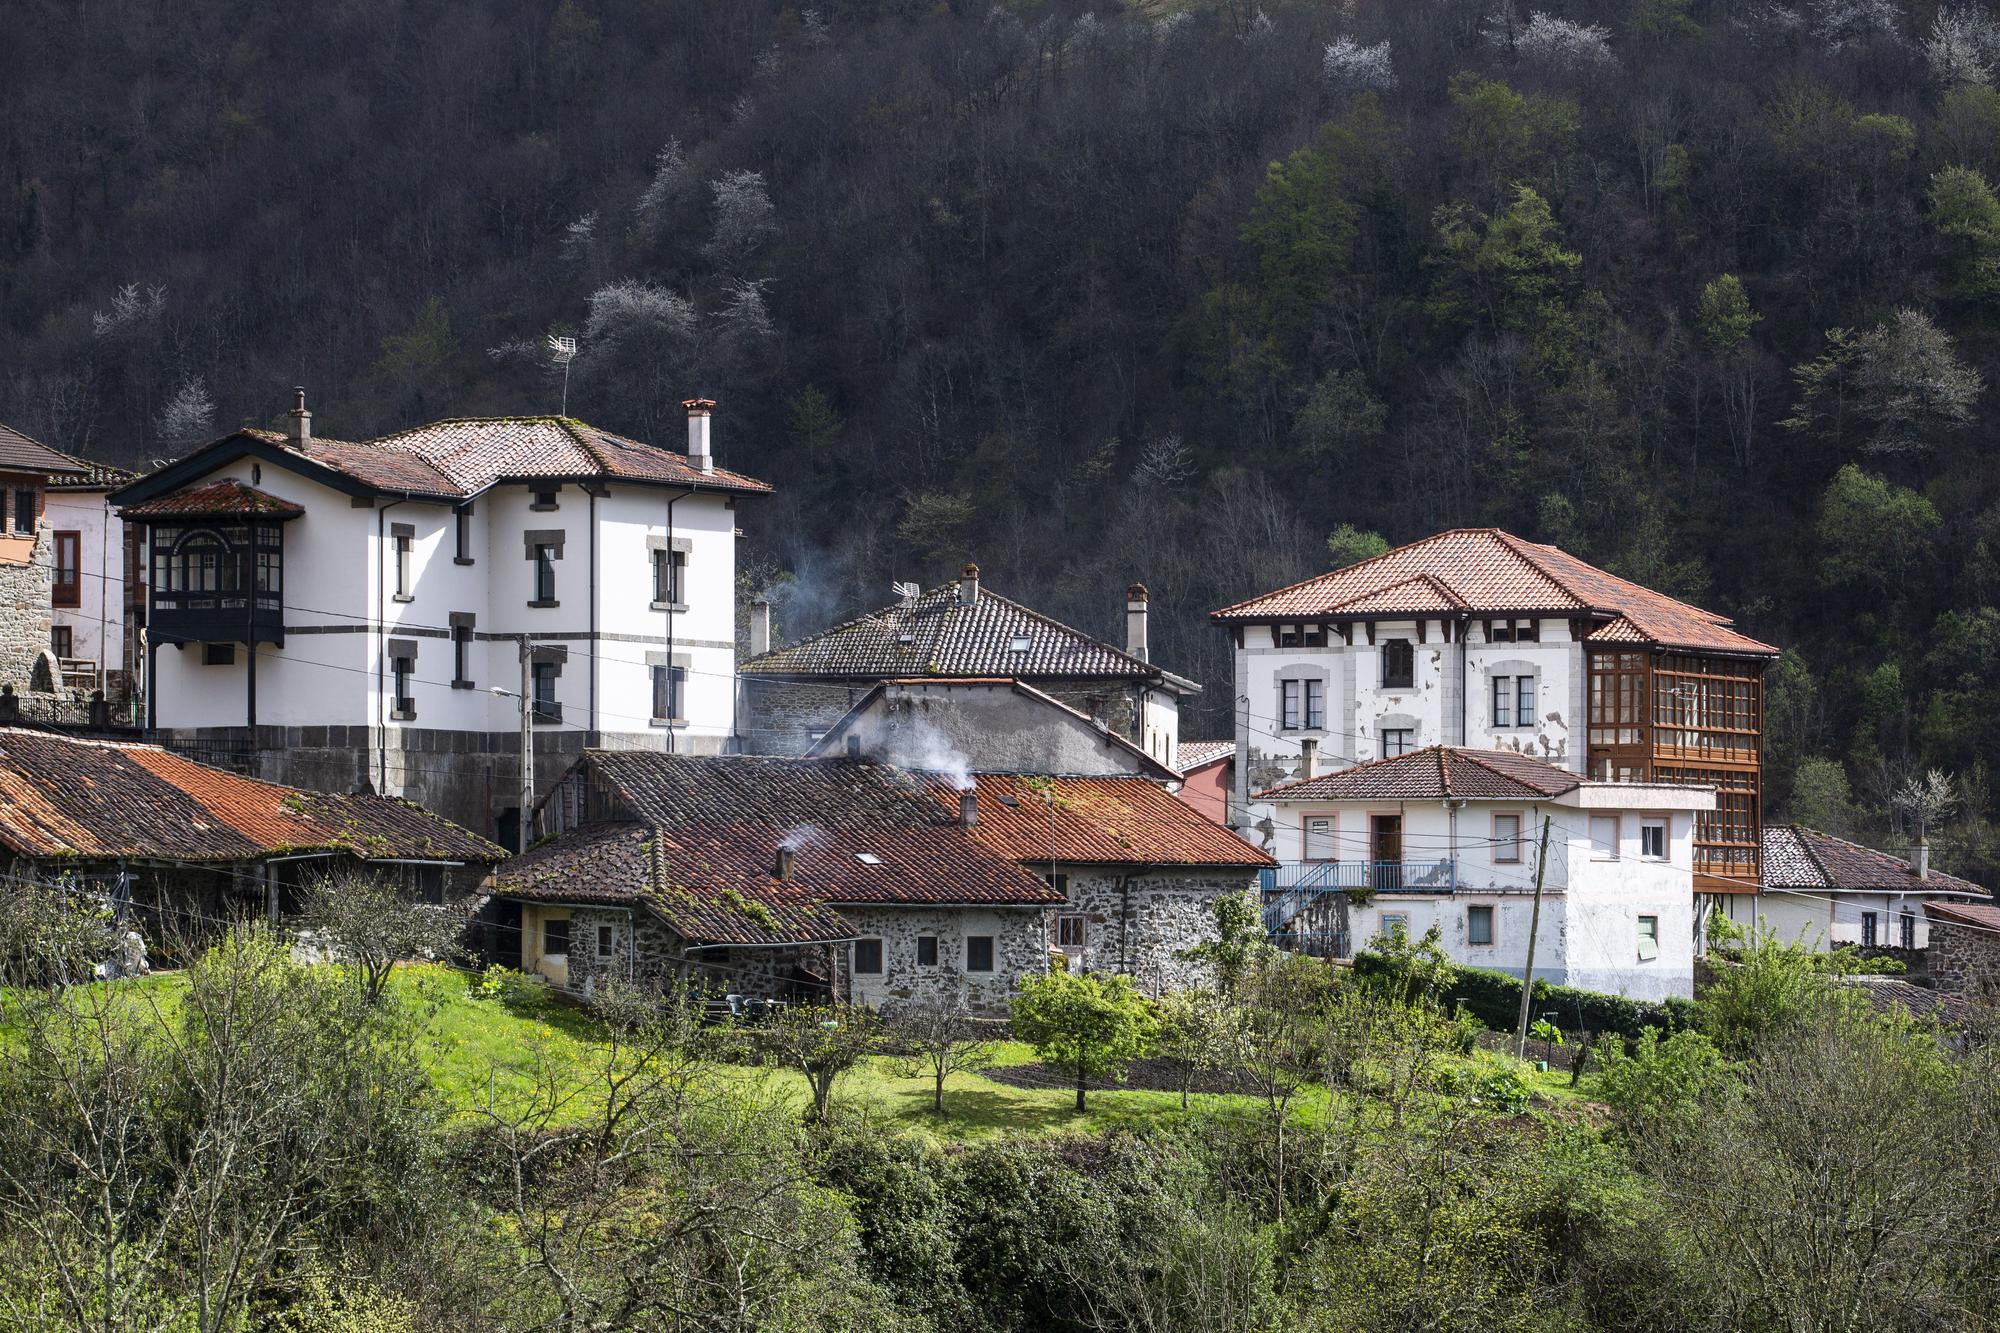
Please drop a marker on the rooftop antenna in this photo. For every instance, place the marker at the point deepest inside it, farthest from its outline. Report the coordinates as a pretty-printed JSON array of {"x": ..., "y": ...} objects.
[
  {"x": 562, "y": 351},
  {"x": 906, "y": 592}
]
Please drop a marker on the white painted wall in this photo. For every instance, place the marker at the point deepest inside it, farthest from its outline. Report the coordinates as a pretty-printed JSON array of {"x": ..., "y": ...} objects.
[
  {"x": 97, "y": 627},
  {"x": 1828, "y": 920}
]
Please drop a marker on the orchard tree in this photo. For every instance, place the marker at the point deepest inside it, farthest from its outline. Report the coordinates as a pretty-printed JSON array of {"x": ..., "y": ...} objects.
[{"x": 1087, "y": 1026}]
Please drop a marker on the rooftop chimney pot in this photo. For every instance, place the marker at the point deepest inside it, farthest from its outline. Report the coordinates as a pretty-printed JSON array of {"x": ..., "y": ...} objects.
[
  {"x": 699, "y": 453},
  {"x": 1308, "y": 757},
  {"x": 781, "y": 866},
  {"x": 968, "y": 584},
  {"x": 1922, "y": 858},
  {"x": 299, "y": 429},
  {"x": 968, "y": 809},
  {"x": 760, "y": 626},
  {"x": 1135, "y": 622}
]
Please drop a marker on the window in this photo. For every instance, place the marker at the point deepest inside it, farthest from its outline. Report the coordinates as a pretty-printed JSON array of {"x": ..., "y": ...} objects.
[
  {"x": 401, "y": 669},
  {"x": 1018, "y": 643},
  {"x": 1604, "y": 837},
  {"x": 461, "y": 655},
  {"x": 61, "y": 642},
  {"x": 1513, "y": 701},
  {"x": 461, "y": 535},
  {"x": 669, "y": 569},
  {"x": 1321, "y": 838},
  {"x": 218, "y": 654},
  {"x": 1517, "y": 631},
  {"x": 545, "y": 575},
  {"x": 1868, "y": 930},
  {"x": 868, "y": 958},
  {"x": 1304, "y": 704},
  {"x": 544, "y": 497},
  {"x": 1507, "y": 839},
  {"x": 1649, "y": 938},
  {"x": 926, "y": 951},
  {"x": 668, "y": 684},
  {"x": 604, "y": 942},
  {"x": 1302, "y": 636},
  {"x": 1315, "y": 704},
  {"x": 1653, "y": 839},
  {"x": 67, "y": 589},
  {"x": 1290, "y": 694},
  {"x": 1060, "y": 883},
  {"x": 555, "y": 938},
  {"x": 26, "y": 502},
  {"x": 1069, "y": 932},
  {"x": 403, "y": 567},
  {"x": 1907, "y": 928},
  {"x": 979, "y": 953},
  {"x": 1399, "y": 664},
  {"x": 1479, "y": 925},
  {"x": 546, "y": 707},
  {"x": 1394, "y": 924},
  {"x": 1398, "y": 740}
]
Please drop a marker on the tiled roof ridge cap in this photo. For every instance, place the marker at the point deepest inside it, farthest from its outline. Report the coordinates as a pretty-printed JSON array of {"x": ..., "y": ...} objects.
[
  {"x": 1146, "y": 668},
  {"x": 100, "y": 742},
  {"x": 1344, "y": 569},
  {"x": 1826, "y": 878}
]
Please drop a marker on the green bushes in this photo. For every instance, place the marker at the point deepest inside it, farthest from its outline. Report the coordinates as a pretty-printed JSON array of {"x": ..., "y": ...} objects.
[{"x": 1495, "y": 999}]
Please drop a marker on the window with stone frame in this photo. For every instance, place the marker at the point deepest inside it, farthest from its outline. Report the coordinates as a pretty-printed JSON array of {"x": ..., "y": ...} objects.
[
  {"x": 1399, "y": 664},
  {"x": 868, "y": 958},
  {"x": 979, "y": 953}
]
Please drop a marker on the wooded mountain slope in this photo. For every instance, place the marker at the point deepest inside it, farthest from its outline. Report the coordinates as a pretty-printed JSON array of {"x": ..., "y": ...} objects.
[{"x": 1095, "y": 292}]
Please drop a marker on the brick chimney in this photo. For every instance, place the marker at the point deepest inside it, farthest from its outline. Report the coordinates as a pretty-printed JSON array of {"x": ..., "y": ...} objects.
[
  {"x": 968, "y": 584},
  {"x": 299, "y": 430},
  {"x": 1135, "y": 622},
  {"x": 760, "y": 626},
  {"x": 968, "y": 808},
  {"x": 1308, "y": 757},
  {"x": 699, "y": 454}
]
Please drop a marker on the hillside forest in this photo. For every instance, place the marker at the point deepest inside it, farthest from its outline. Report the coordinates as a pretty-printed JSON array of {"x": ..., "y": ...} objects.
[{"x": 1211, "y": 294}]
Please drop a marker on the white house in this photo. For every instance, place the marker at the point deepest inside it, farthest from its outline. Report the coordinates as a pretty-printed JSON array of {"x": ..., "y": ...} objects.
[
  {"x": 95, "y": 612},
  {"x": 1451, "y": 836},
  {"x": 1827, "y": 892},
  {"x": 1477, "y": 638},
  {"x": 403, "y": 594}
]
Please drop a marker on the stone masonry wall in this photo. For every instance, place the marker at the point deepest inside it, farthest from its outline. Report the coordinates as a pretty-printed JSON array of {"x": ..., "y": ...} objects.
[
  {"x": 25, "y": 615},
  {"x": 1963, "y": 960},
  {"x": 783, "y": 717},
  {"x": 1019, "y": 950},
  {"x": 1144, "y": 926},
  {"x": 662, "y": 955}
]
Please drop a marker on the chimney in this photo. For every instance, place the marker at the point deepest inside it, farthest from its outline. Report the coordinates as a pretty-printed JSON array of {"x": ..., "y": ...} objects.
[
  {"x": 968, "y": 808},
  {"x": 760, "y": 626},
  {"x": 853, "y": 747},
  {"x": 1308, "y": 757},
  {"x": 698, "y": 410},
  {"x": 968, "y": 584},
  {"x": 299, "y": 430},
  {"x": 1921, "y": 857},
  {"x": 781, "y": 867},
  {"x": 1135, "y": 622}
]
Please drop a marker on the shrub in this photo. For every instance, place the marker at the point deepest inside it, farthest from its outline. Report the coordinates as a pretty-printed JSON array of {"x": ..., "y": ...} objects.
[{"x": 1495, "y": 998}]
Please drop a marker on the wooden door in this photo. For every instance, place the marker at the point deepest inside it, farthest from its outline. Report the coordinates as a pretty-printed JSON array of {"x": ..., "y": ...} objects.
[{"x": 1385, "y": 837}]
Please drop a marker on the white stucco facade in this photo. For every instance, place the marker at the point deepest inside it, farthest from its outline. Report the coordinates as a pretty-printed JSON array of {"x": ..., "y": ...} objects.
[
  {"x": 1619, "y": 919},
  {"x": 95, "y": 617}
]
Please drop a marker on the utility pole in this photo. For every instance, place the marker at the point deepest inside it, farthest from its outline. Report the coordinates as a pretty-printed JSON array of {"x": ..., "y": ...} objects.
[
  {"x": 528, "y": 747},
  {"x": 1534, "y": 925}
]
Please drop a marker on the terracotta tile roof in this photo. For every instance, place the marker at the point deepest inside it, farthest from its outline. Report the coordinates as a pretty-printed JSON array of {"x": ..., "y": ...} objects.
[
  {"x": 18, "y": 453},
  {"x": 1190, "y": 755},
  {"x": 227, "y": 498},
  {"x": 1796, "y": 857},
  {"x": 1984, "y": 916},
  {"x": 711, "y": 828},
  {"x": 937, "y": 634},
  {"x": 62, "y": 797},
  {"x": 1485, "y": 570},
  {"x": 1097, "y": 821},
  {"x": 94, "y": 476},
  {"x": 1886, "y": 992},
  {"x": 1436, "y": 772}
]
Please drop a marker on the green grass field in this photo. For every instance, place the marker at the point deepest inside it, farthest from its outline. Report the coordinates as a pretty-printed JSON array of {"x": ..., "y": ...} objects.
[{"x": 490, "y": 1050}]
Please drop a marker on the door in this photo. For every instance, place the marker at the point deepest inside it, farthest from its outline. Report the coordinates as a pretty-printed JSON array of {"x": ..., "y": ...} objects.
[
  {"x": 1385, "y": 840},
  {"x": 1319, "y": 839}
]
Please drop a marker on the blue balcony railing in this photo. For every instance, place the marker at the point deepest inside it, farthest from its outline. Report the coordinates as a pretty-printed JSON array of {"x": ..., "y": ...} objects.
[{"x": 1305, "y": 901}]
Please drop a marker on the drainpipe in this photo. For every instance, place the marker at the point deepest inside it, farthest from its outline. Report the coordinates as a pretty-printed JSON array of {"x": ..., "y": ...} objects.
[
  {"x": 1464, "y": 691},
  {"x": 381, "y": 639}
]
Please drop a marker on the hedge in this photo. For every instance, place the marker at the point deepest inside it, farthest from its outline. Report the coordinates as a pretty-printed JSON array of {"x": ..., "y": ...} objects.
[{"x": 1494, "y": 998}]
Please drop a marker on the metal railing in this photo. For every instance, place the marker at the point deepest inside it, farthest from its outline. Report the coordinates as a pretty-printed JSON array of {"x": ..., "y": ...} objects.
[{"x": 1305, "y": 902}]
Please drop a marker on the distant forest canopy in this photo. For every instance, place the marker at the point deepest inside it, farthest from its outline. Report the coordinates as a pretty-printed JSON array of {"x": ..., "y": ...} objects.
[{"x": 1208, "y": 294}]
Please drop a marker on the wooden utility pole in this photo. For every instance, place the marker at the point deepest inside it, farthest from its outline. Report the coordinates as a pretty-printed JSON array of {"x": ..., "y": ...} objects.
[{"x": 1534, "y": 925}]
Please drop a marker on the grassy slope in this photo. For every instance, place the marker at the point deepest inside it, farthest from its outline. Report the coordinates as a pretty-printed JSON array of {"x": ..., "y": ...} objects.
[{"x": 479, "y": 1048}]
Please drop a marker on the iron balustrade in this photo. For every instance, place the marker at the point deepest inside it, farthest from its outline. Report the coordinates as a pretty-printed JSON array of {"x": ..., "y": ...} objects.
[{"x": 1305, "y": 902}]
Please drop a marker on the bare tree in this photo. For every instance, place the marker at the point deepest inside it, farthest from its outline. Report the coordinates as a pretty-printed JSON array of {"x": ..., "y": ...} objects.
[
  {"x": 822, "y": 1042},
  {"x": 941, "y": 1039},
  {"x": 369, "y": 924}
]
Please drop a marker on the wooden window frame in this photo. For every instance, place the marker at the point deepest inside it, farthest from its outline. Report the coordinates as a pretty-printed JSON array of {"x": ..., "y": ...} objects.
[
  {"x": 1520, "y": 825},
  {"x": 66, "y": 592},
  {"x": 992, "y": 953}
]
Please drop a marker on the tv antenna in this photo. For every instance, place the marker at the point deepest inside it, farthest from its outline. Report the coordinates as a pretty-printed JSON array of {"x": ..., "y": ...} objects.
[
  {"x": 562, "y": 351},
  {"x": 906, "y": 592}
]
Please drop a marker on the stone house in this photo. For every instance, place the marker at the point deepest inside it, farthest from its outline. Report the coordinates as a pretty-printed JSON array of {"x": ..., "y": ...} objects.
[
  {"x": 1449, "y": 837},
  {"x": 788, "y": 877},
  {"x": 1965, "y": 949},
  {"x": 1480, "y": 639},
  {"x": 1827, "y": 892},
  {"x": 340, "y": 612},
  {"x": 27, "y": 556},
  {"x": 173, "y": 843},
  {"x": 963, "y": 630}
]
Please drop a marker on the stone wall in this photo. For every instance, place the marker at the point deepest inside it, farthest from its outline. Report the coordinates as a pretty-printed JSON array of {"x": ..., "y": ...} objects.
[
  {"x": 1964, "y": 960},
  {"x": 796, "y": 973},
  {"x": 785, "y": 717},
  {"x": 25, "y": 615},
  {"x": 1141, "y": 924},
  {"x": 1019, "y": 950}
]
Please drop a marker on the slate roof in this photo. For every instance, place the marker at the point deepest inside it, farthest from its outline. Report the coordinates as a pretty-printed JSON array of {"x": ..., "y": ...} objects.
[
  {"x": 18, "y": 453},
  {"x": 226, "y": 498},
  {"x": 1436, "y": 772},
  {"x": 1796, "y": 857},
  {"x": 1486, "y": 571},
  {"x": 1190, "y": 755},
  {"x": 1097, "y": 821},
  {"x": 700, "y": 847},
  {"x": 938, "y": 634},
  {"x": 62, "y": 797}
]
